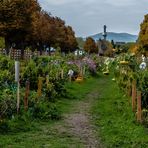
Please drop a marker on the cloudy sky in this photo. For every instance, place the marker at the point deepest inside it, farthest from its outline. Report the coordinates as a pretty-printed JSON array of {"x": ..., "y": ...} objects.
[{"x": 87, "y": 17}]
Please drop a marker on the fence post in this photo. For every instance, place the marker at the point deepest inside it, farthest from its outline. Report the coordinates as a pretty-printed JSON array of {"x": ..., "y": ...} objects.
[
  {"x": 62, "y": 74},
  {"x": 39, "y": 91},
  {"x": 134, "y": 95},
  {"x": 81, "y": 71},
  {"x": 139, "y": 114},
  {"x": 70, "y": 78},
  {"x": 17, "y": 72},
  {"x": 47, "y": 80}
]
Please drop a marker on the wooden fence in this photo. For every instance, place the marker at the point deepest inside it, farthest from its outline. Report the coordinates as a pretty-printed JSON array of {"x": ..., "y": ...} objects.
[{"x": 16, "y": 54}]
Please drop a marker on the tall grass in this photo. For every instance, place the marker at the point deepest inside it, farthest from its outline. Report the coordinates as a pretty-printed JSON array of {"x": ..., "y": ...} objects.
[{"x": 115, "y": 120}]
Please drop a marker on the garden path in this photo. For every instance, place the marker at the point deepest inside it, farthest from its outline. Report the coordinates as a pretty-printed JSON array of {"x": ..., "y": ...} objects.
[{"x": 77, "y": 123}]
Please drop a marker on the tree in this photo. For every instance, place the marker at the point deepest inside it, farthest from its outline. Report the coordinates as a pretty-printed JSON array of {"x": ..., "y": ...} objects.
[
  {"x": 70, "y": 42},
  {"x": 108, "y": 48},
  {"x": 15, "y": 20},
  {"x": 90, "y": 45},
  {"x": 143, "y": 35},
  {"x": 24, "y": 23},
  {"x": 40, "y": 33},
  {"x": 63, "y": 36},
  {"x": 105, "y": 48},
  {"x": 126, "y": 47}
]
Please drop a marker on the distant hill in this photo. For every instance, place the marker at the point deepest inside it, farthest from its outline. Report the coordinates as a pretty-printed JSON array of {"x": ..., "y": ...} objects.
[{"x": 117, "y": 37}]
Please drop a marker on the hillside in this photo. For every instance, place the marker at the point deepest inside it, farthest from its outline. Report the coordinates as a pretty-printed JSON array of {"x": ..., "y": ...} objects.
[{"x": 117, "y": 37}]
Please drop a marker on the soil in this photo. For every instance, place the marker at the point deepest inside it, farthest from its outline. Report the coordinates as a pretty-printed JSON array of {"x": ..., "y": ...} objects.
[{"x": 78, "y": 122}]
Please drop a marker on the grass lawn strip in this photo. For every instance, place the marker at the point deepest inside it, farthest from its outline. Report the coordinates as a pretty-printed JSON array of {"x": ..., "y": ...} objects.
[{"x": 115, "y": 120}]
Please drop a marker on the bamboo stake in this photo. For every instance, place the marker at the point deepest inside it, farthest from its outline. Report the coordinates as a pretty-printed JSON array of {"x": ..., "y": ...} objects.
[
  {"x": 39, "y": 91},
  {"x": 139, "y": 114},
  {"x": 47, "y": 79},
  {"x": 70, "y": 78},
  {"x": 62, "y": 74}
]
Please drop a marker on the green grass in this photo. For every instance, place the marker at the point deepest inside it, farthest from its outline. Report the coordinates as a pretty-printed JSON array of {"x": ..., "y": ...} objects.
[
  {"x": 41, "y": 133},
  {"x": 115, "y": 120},
  {"x": 76, "y": 92},
  {"x": 112, "y": 115},
  {"x": 43, "y": 137},
  {"x": 38, "y": 139}
]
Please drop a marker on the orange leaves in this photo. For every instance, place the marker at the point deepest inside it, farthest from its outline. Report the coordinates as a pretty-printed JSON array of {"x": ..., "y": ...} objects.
[
  {"x": 143, "y": 35},
  {"x": 90, "y": 45}
]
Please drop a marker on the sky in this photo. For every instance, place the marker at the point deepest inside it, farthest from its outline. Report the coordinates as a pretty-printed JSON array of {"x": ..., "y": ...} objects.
[{"x": 87, "y": 17}]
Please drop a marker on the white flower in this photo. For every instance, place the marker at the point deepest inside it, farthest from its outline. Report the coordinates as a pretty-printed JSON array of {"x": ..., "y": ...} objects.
[
  {"x": 142, "y": 65},
  {"x": 107, "y": 61},
  {"x": 113, "y": 79},
  {"x": 143, "y": 58},
  {"x": 70, "y": 72}
]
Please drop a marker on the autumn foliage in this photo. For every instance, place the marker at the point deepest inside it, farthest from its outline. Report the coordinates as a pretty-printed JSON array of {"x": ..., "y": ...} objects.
[
  {"x": 90, "y": 45},
  {"x": 143, "y": 35},
  {"x": 24, "y": 23}
]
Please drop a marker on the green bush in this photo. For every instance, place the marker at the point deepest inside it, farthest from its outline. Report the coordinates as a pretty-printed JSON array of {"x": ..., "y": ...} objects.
[{"x": 44, "y": 110}]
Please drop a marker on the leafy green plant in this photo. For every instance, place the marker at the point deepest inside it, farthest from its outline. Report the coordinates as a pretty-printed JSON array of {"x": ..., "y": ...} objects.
[
  {"x": 44, "y": 110},
  {"x": 125, "y": 74}
]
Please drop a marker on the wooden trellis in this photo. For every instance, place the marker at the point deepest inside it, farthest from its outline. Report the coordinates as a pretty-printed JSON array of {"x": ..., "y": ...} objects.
[
  {"x": 27, "y": 54},
  {"x": 36, "y": 53},
  {"x": 2, "y": 51},
  {"x": 15, "y": 54}
]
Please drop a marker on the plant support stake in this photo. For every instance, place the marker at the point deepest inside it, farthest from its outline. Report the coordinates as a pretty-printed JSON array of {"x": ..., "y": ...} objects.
[
  {"x": 139, "y": 118},
  {"x": 39, "y": 91},
  {"x": 17, "y": 70},
  {"x": 62, "y": 74}
]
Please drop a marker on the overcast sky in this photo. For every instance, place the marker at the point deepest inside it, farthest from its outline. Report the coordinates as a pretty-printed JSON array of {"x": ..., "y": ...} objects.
[{"x": 87, "y": 17}]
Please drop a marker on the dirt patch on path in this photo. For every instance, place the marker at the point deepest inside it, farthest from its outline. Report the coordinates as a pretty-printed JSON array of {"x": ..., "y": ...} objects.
[{"x": 78, "y": 123}]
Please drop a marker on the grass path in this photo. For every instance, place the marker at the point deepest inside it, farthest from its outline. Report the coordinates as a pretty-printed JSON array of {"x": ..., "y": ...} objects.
[
  {"x": 75, "y": 130},
  {"x": 115, "y": 121},
  {"x": 78, "y": 122},
  {"x": 96, "y": 110}
]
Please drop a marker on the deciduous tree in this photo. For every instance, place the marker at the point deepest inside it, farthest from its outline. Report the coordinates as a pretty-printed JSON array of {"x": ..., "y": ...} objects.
[
  {"x": 15, "y": 20},
  {"x": 143, "y": 35},
  {"x": 24, "y": 23},
  {"x": 90, "y": 45}
]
